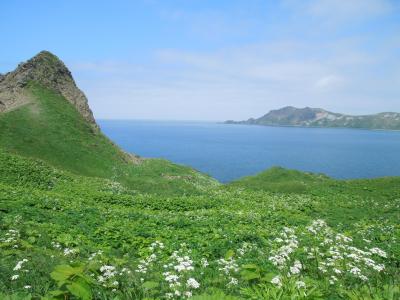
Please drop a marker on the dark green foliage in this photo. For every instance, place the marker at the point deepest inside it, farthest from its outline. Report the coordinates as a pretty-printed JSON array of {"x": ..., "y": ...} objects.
[{"x": 88, "y": 214}]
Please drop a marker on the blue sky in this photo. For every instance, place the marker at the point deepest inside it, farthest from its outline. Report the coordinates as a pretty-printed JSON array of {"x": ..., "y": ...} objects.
[{"x": 215, "y": 60}]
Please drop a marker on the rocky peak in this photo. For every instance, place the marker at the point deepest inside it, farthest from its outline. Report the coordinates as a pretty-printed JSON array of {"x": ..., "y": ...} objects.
[
  {"x": 49, "y": 71},
  {"x": 44, "y": 68}
]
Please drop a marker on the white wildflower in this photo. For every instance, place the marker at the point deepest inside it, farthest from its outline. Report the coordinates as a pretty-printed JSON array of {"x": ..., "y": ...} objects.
[
  {"x": 191, "y": 282},
  {"x": 228, "y": 266},
  {"x": 188, "y": 294},
  {"x": 300, "y": 284},
  {"x": 379, "y": 252},
  {"x": 14, "y": 277},
  {"x": 337, "y": 271},
  {"x": 204, "y": 262},
  {"x": 295, "y": 269},
  {"x": 233, "y": 281},
  {"x": 277, "y": 281},
  {"x": 355, "y": 271},
  {"x": 19, "y": 264},
  {"x": 68, "y": 251}
]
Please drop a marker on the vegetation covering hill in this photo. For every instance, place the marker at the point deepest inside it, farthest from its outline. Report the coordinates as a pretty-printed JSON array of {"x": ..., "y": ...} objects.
[
  {"x": 65, "y": 236},
  {"x": 46, "y": 125},
  {"x": 87, "y": 221},
  {"x": 317, "y": 117}
]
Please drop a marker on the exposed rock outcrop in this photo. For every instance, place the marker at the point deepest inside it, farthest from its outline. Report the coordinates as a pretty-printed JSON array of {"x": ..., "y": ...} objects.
[{"x": 49, "y": 71}]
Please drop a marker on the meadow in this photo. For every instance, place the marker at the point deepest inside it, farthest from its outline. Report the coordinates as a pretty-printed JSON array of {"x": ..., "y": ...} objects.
[{"x": 279, "y": 235}]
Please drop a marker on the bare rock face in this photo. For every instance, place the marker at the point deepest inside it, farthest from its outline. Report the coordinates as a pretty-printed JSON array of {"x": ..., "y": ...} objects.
[{"x": 49, "y": 71}]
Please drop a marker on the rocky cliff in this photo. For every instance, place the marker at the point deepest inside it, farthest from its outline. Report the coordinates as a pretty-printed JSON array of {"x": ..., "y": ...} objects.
[{"x": 49, "y": 71}]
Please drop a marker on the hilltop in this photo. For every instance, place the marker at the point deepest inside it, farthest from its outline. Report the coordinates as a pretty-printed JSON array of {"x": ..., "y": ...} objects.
[
  {"x": 317, "y": 117},
  {"x": 48, "y": 71}
]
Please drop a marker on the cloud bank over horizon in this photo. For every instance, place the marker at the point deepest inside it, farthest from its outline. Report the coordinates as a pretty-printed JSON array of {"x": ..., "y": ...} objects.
[{"x": 207, "y": 60}]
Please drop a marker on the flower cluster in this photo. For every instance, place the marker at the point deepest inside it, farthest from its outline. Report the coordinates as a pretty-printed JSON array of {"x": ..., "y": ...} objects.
[
  {"x": 56, "y": 245},
  {"x": 335, "y": 255},
  {"x": 283, "y": 257},
  {"x": 11, "y": 238},
  {"x": 18, "y": 268},
  {"x": 145, "y": 264},
  {"x": 107, "y": 277},
  {"x": 155, "y": 245},
  {"x": 178, "y": 274},
  {"x": 277, "y": 281},
  {"x": 229, "y": 267},
  {"x": 69, "y": 251},
  {"x": 288, "y": 243},
  {"x": 66, "y": 251}
]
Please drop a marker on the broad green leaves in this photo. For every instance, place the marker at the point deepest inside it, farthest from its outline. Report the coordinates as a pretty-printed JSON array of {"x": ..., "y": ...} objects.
[
  {"x": 71, "y": 280},
  {"x": 62, "y": 273}
]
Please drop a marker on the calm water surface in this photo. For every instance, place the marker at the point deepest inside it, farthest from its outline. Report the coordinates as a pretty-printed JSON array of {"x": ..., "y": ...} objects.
[{"x": 228, "y": 152}]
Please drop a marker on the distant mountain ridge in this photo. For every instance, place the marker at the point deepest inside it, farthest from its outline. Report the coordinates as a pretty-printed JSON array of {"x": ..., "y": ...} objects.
[{"x": 318, "y": 117}]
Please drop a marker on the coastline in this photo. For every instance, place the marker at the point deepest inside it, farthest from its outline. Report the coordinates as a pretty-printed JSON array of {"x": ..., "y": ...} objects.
[{"x": 302, "y": 126}]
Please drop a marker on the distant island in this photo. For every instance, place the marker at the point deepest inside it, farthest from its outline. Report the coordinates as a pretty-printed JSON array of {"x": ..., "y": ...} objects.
[{"x": 317, "y": 117}]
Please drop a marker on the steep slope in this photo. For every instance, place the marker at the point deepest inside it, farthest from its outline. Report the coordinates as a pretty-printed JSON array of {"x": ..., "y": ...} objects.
[
  {"x": 317, "y": 117},
  {"x": 46, "y": 116}
]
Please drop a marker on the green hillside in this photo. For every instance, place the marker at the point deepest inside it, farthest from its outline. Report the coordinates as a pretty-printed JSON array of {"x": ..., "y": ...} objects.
[
  {"x": 71, "y": 237},
  {"x": 278, "y": 179},
  {"x": 50, "y": 128},
  {"x": 286, "y": 181}
]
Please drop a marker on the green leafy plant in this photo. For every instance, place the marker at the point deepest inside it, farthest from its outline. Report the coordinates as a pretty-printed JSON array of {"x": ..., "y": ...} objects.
[{"x": 71, "y": 281}]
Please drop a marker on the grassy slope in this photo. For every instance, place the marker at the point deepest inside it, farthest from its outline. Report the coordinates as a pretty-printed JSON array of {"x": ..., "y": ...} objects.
[
  {"x": 287, "y": 181},
  {"x": 88, "y": 214},
  {"x": 278, "y": 179},
  {"x": 338, "y": 200},
  {"x": 51, "y": 129}
]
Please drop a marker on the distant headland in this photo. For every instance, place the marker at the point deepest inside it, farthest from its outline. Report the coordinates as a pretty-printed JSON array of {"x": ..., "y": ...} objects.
[{"x": 317, "y": 117}]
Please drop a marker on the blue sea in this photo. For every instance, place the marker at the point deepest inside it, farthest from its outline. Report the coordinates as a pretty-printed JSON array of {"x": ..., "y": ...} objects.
[{"x": 228, "y": 152}]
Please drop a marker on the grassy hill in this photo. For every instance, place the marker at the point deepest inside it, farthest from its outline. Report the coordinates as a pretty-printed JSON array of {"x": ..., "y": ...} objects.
[
  {"x": 278, "y": 179},
  {"x": 50, "y": 128},
  {"x": 287, "y": 181}
]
